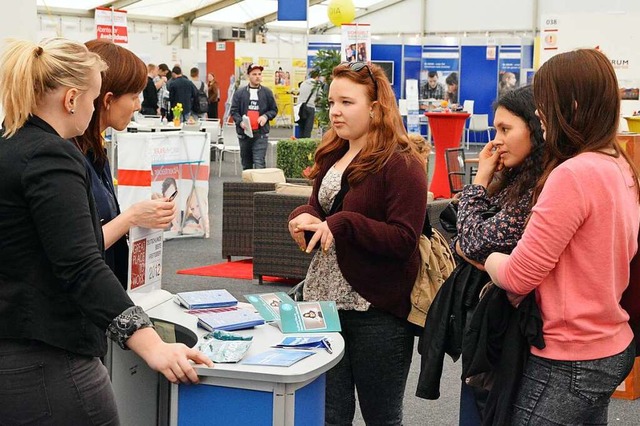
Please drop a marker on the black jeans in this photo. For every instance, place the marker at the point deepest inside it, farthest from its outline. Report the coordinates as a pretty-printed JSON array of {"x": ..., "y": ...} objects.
[
  {"x": 43, "y": 385},
  {"x": 570, "y": 392},
  {"x": 253, "y": 151},
  {"x": 377, "y": 357},
  {"x": 306, "y": 125}
]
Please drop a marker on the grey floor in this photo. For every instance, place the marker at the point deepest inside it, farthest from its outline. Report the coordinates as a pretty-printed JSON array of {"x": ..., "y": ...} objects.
[{"x": 193, "y": 252}]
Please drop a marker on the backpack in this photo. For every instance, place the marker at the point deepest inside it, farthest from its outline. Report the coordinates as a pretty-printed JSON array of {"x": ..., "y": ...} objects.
[
  {"x": 436, "y": 264},
  {"x": 202, "y": 100}
]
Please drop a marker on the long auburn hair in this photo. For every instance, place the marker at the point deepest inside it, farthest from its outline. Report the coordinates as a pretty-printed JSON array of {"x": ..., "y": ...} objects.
[
  {"x": 578, "y": 99},
  {"x": 126, "y": 74},
  {"x": 387, "y": 133},
  {"x": 517, "y": 181}
]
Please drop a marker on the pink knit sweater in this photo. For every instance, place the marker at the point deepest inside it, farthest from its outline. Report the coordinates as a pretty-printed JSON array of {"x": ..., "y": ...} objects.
[{"x": 575, "y": 254}]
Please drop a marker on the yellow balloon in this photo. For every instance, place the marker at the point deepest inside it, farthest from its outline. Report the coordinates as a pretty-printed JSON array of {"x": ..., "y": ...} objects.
[{"x": 341, "y": 12}]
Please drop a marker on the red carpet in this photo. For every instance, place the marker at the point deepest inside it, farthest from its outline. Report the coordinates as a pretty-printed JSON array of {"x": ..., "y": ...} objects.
[{"x": 240, "y": 269}]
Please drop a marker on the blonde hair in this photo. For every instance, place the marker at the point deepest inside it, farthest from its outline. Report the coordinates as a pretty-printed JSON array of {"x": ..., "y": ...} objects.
[{"x": 29, "y": 71}]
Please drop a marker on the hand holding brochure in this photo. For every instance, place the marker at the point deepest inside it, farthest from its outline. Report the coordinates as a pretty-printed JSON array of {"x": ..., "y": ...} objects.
[
  {"x": 247, "y": 126},
  {"x": 204, "y": 299}
]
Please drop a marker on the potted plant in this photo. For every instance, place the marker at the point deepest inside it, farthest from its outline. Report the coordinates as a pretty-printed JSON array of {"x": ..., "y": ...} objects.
[{"x": 325, "y": 62}]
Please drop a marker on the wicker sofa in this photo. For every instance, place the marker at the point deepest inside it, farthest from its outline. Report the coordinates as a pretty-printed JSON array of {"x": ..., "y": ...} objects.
[
  {"x": 275, "y": 253},
  {"x": 237, "y": 215}
]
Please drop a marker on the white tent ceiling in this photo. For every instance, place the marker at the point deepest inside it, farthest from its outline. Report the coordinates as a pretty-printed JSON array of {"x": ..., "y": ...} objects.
[{"x": 236, "y": 12}]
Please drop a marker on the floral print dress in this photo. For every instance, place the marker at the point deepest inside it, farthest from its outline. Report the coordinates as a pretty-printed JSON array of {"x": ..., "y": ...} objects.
[
  {"x": 324, "y": 280},
  {"x": 479, "y": 237}
]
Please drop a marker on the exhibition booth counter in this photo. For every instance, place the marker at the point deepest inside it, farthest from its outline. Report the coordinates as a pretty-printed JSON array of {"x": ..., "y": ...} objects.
[{"x": 230, "y": 393}]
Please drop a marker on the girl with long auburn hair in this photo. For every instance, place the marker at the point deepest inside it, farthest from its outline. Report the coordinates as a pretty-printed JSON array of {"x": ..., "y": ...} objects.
[
  {"x": 365, "y": 216},
  {"x": 119, "y": 98},
  {"x": 59, "y": 301},
  {"x": 577, "y": 246}
]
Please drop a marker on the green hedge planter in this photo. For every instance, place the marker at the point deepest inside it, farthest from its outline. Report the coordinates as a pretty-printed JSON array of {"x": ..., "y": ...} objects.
[{"x": 295, "y": 155}]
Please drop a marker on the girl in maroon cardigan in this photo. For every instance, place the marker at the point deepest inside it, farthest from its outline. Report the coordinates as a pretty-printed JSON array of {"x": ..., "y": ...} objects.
[{"x": 367, "y": 259}]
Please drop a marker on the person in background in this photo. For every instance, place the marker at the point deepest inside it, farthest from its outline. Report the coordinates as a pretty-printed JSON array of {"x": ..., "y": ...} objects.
[
  {"x": 213, "y": 92},
  {"x": 577, "y": 246},
  {"x": 433, "y": 89},
  {"x": 365, "y": 216},
  {"x": 257, "y": 103},
  {"x": 150, "y": 92},
  {"x": 200, "y": 88},
  {"x": 309, "y": 90},
  {"x": 508, "y": 82},
  {"x": 116, "y": 103},
  {"x": 58, "y": 299},
  {"x": 181, "y": 90},
  {"x": 508, "y": 169},
  {"x": 163, "y": 90},
  {"x": 452, "y": 88}
]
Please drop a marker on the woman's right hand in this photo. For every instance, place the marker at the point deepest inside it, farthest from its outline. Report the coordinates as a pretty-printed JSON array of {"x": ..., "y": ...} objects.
[
  {"x": 488, "y": 163},
  {"x": 298, "y": 234},
  {"x": 153, "y": 214}
]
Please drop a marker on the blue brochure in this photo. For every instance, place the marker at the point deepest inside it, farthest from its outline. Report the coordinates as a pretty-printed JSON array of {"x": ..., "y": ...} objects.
[
  {"x": 203, "y": 299},
  {"x": 277, "y": 357}
]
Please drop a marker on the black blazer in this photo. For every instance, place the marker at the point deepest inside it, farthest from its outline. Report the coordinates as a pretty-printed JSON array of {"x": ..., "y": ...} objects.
[{"x": 54, "y": 284}]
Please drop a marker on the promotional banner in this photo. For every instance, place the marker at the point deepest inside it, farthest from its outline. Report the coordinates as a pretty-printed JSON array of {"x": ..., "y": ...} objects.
[
  {"x": 112, "y": 25},
  {"x": 439, "y": 75},
  {"x": 356, "y": 43},
  {"x": 145, "y": 258},
  {"x": 155, "y": 165},
  {"x": 509, "y": 68}
]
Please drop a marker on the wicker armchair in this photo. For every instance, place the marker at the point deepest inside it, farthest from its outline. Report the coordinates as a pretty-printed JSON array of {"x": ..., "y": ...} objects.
[
  {"x": 274, "y": 251},
  {"x": 434, "y": 209},
  {"x": 237, "y": 215}
]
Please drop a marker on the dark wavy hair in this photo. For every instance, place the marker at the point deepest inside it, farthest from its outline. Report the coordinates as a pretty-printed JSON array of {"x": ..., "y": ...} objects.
[
  {"x": 578, "y": 99},
  {"x": 387, "y": 133},
  {"x": 517, "y": 181},
  {"x": 126, "y": 74}
]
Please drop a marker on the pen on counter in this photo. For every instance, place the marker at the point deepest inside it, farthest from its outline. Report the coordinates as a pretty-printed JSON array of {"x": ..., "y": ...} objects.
[{"x": 327, "y": 345}]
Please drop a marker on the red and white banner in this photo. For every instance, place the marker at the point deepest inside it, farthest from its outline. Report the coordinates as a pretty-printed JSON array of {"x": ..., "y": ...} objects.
[{"x": 112, "y": 25}]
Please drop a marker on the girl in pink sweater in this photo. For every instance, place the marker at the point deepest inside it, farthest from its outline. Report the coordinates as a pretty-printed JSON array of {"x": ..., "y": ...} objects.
[{"x": 576, "y": 249}]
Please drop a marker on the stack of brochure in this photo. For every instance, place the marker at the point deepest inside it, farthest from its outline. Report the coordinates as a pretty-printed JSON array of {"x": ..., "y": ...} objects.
[
  {"x": 231, "y": 318},
  {"x": 203, "y": 299}
]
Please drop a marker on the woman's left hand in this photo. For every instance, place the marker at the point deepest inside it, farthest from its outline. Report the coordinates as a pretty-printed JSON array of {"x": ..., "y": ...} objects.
[
  {"x": 464, "y": 256},
  {"x": 322, "y": 233}
]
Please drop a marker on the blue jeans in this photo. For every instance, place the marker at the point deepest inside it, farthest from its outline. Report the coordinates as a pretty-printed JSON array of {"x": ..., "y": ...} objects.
[
  {"x": 570, "y": 392},
  {"x": 43, "y": 385},
  {"x": 253, "y": 150},
  {"x": 376, "y": 361}
]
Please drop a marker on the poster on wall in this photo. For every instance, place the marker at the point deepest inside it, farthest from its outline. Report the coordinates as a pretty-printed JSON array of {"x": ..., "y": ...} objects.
[
  {"x": 111, "y": 24},
  {"x": 616, "y": 37},
  {"x": 439, "y": 76},
  {"x": 356, "y": 43},
  {"x": 509, "y": 68}
]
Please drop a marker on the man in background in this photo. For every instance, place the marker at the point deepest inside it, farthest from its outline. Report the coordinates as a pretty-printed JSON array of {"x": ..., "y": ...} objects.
[
  {"x": 258, "y": 104},
  {"x": 163, "y": 92},
  {"x": 150, "y": 93},
  {"x": 307, "y": 100},
  {"x": 433, "y": 89},
  {"x": 201, "y": 105},
  {"x": 181, "y": 90}
]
